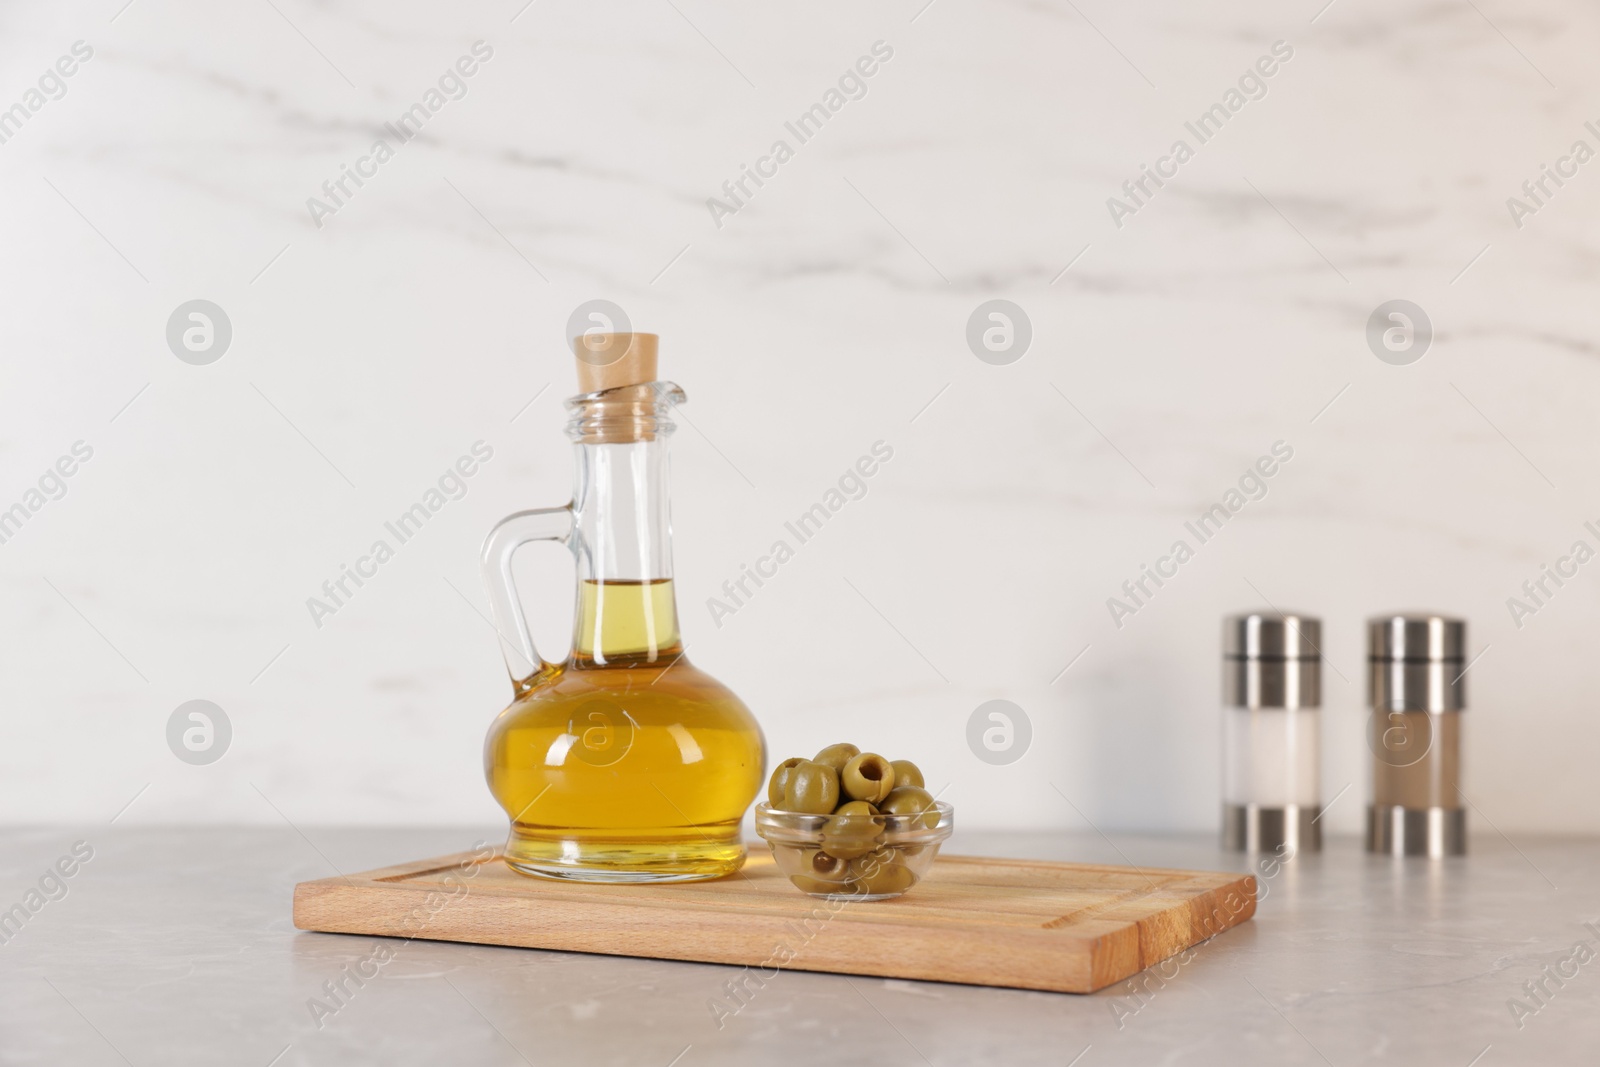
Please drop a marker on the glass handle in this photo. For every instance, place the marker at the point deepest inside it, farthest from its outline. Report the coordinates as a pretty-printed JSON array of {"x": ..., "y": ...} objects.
[{"x": 514, "y": 531}]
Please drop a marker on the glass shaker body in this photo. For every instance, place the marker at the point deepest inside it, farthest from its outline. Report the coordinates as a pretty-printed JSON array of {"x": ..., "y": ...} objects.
[
  {"x": 1271, "y": 727},
  {"x": 1417, "y": 684}
]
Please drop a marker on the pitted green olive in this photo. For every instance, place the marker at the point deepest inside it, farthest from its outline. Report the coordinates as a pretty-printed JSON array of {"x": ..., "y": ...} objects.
[
  {"x": 789, "y": 857},
  {"x": 855, "y": 829},
  {"x": 808, "y": 861},
  {"x": 880, "y": 872},
  {"x": 820, "y": 887},
  {"x": 910, "y": 800},
  {"x": 867, "y": 777},
  {"x": 780, "y": 781},
  {"x": 868, "y": 863},
  {"x": 836, "y": 756},
  {"x": 819, "y": 864},
  {"x": 812, "y": 788},
  {"x": 907, "y": 773},
  {"x": 893, "y": 879}
]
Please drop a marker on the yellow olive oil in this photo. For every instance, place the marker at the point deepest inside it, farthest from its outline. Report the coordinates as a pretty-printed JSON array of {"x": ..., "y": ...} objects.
[{"x": 625, "y": 762}]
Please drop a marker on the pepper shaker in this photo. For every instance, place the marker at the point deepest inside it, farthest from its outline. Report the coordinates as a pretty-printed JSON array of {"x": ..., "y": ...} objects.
[
  {"x": 1417, "y": 681},
  {"x": 1271, "y": 758}
]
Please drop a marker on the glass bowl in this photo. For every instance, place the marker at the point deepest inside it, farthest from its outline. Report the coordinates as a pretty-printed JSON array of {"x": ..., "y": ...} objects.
[{"x": 857, "y": 857}]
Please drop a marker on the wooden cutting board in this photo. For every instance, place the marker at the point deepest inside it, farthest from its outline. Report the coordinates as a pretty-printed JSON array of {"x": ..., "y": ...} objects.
[{"x": 1063, "y": 927}]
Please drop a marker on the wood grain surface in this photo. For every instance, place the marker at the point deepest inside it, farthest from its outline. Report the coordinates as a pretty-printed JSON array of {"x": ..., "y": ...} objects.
[{"x": 1062, "y": 927}]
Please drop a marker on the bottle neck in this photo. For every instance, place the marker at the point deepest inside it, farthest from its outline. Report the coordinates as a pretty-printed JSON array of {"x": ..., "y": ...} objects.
[{"x": 627, "y": 613}]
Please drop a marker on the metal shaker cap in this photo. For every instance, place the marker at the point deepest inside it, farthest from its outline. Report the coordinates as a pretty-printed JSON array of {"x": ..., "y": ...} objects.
[
  {"x": 1260, "y": 635},
  {"x": 1272, "y": 660},
  {"x": 1419, "y": 638},
  {"x": 1417, "y": 662}
]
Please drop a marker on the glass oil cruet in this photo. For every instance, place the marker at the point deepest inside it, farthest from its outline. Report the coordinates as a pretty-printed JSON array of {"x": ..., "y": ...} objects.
[{"x": 625, "y": 762}]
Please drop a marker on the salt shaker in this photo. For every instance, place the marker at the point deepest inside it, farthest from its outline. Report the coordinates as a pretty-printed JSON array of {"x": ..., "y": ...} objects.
[
  {"x": 1417, "y": 681},
  {"x": 1271, "y": 758}
]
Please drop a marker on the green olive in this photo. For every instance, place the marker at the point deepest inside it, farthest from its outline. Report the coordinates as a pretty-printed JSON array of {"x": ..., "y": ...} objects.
[
  {"x": 802, "y": 861},
  {"x": 812, "y": 788},
  {"x": 880, "y": 877},
  {"x": 820, "y": 864},
  {"x": 867, "y": 777},
  {"x": 780, "y": 781},
  {"x": 907, "y": 773},
  {"x": 854, "y": 830},
  {"x": 789, "y": 857},
  {"x": 836, "y": 756},
  {"x": 910, "y": 800},
  {"x": 817, "y": 886},
  {"x": 869, "y": 863}
]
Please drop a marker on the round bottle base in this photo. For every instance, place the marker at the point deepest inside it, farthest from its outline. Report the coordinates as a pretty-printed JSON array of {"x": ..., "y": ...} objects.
[{"x": 620, "y": 858}]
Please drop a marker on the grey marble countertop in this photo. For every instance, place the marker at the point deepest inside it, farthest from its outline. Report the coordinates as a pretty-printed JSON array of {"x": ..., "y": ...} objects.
[{"x": 175, "y": 946}]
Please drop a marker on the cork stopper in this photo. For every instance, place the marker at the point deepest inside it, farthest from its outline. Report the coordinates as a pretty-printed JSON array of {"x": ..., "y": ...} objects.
[{"x": 614, "y": 360}]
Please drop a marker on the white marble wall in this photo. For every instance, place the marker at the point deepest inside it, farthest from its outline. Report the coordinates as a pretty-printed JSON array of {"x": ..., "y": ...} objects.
[{"x": 827, "y": 313}]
